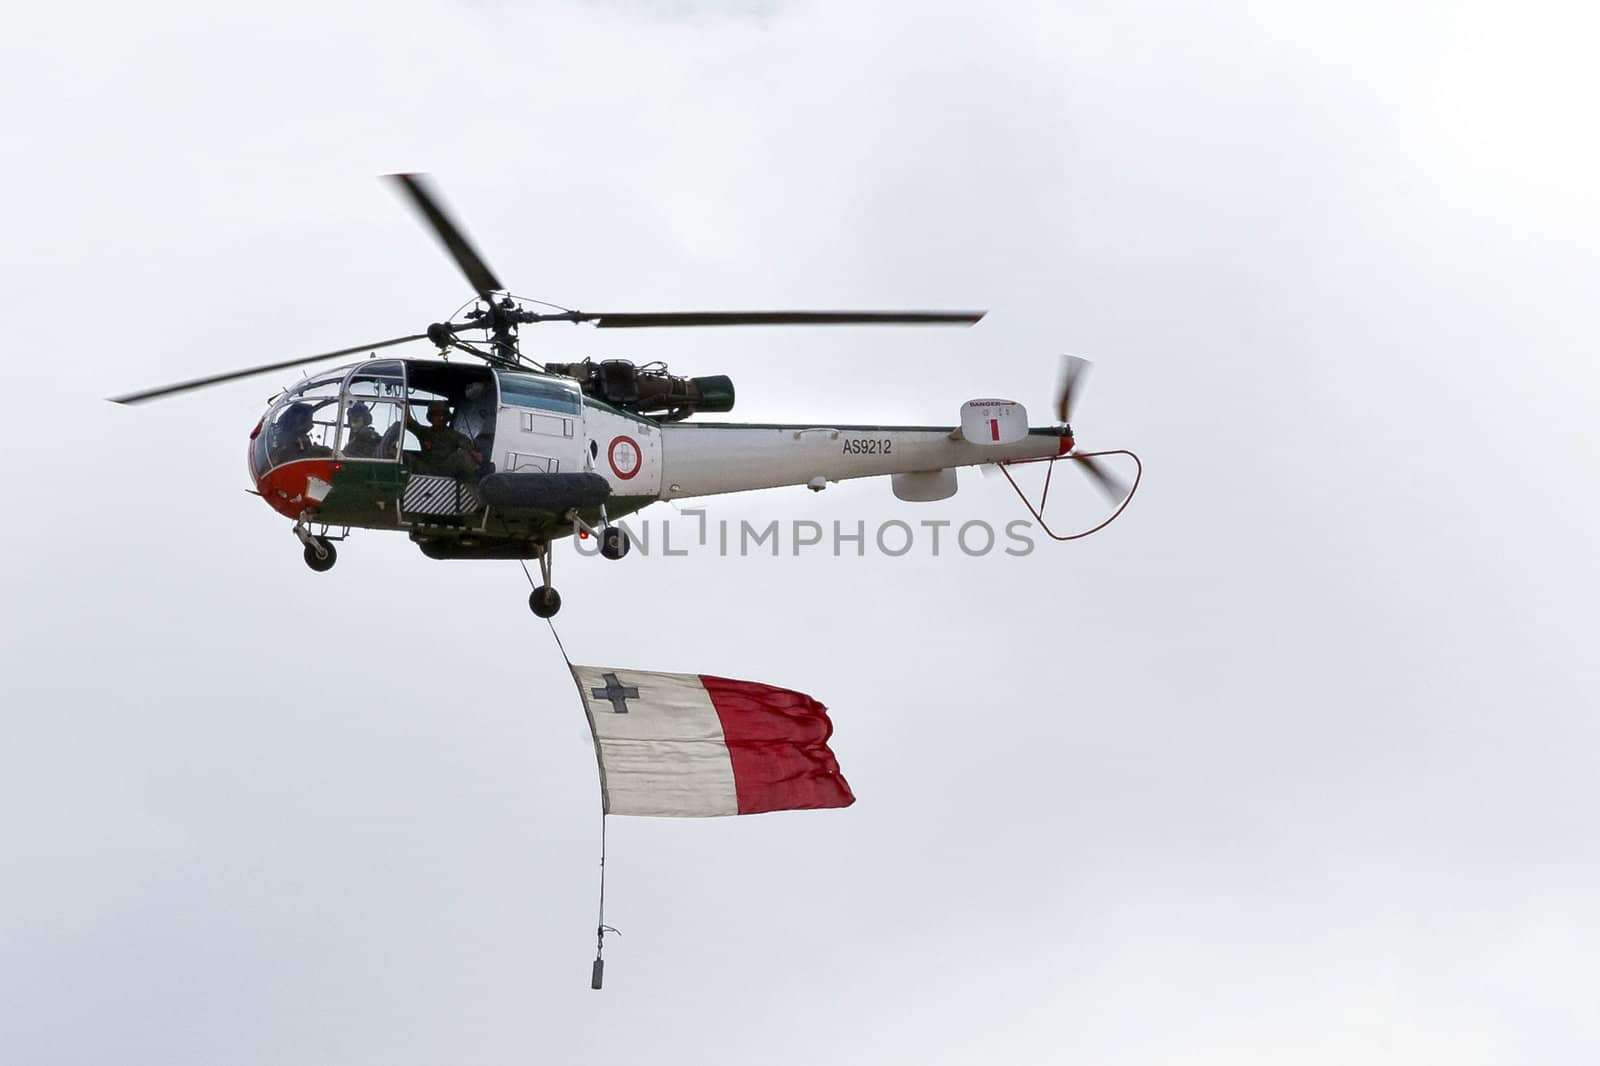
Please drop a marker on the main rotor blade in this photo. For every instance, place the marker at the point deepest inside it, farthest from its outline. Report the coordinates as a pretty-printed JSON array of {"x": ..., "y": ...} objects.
[
  {"x": 217, "y": 379},
  {"x": 1108, "y": 483},
  {"x": 1074, "y": 371},
  {"x": 786, "y": 318},
  {"x": 455, "y": 242}
]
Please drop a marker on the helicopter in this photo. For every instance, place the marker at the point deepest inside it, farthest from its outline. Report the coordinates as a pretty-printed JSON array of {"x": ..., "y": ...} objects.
[{"x": 538, "y": 451}]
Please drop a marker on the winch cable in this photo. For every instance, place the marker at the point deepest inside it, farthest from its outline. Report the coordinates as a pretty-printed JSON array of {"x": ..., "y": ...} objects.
[{"x": 598, "y": 970}]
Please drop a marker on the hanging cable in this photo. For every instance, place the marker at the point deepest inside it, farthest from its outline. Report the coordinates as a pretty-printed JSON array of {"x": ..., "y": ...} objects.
[
  {"x": 597, "y": 975},
  {"x": 598, "y": 972}
]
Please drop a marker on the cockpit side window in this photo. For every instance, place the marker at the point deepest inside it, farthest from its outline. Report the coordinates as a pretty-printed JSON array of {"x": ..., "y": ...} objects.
[
  {"x": 374, "y": 412},
  {"x": 540, "y": 392}
]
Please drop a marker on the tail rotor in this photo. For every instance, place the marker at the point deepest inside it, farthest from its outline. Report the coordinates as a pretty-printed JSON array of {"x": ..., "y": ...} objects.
[
  {"x": 1074, "y": 371},
  {"x": 1074, "y": 374}
]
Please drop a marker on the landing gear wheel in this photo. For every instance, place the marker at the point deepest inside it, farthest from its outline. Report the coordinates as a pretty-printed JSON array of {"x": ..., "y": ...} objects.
[
  {"x": 320, "y": 554},
  {"x": 614, "y": 542},
  {"x": 544, "y": 601}
]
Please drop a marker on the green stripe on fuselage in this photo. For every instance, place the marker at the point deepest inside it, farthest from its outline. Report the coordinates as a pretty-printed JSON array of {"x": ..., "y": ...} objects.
[{"x": 366, "y": 495}]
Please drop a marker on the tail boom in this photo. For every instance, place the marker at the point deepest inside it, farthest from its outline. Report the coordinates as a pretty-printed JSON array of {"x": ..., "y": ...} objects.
[{"x": 706, "y": 459}]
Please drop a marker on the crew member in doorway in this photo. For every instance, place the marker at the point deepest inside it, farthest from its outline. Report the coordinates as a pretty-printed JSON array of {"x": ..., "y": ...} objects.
[{"x": 445, "y": 452}]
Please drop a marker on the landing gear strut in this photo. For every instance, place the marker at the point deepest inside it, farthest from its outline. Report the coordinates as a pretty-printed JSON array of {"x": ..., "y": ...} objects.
[
  {"x": 614, "y": 540},
  {"x": 544, "y": 601}
]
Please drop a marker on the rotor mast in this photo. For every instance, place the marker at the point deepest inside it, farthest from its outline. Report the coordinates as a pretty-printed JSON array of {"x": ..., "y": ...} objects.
[{"x": 500, "y": 314}]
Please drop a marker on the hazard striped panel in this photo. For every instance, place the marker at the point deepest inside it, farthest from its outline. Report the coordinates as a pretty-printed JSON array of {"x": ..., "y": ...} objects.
[{"x": 428, "y": 494}]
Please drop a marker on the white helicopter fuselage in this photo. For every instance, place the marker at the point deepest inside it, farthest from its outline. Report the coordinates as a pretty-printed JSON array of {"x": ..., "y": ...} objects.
[{"x": 676, "y": 460}]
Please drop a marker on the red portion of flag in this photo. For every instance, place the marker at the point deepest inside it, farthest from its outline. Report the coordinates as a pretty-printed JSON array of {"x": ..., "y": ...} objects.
[{"x": 778, "y": 742}]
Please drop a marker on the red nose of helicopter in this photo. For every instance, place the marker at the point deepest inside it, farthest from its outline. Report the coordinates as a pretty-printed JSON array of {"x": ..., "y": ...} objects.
[{"x": 290, "y": 459}]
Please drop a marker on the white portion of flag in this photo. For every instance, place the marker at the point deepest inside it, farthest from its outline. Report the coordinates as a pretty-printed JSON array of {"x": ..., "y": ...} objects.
[{"x": 665, "y": 754}]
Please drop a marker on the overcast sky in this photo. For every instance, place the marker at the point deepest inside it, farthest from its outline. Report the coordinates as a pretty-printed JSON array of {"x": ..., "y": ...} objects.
[{"x": 1296, "y": 760}]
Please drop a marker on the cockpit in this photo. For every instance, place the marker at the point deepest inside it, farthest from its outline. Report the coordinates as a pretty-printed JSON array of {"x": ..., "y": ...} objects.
[{"x": 369, "y": 413}]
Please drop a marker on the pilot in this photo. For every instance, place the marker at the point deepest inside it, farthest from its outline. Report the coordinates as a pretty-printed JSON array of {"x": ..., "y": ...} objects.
[
  {"x": 444, "y": 451},
  {"x": 291, "y": 436},
  {"x": 362, "y": 443}
]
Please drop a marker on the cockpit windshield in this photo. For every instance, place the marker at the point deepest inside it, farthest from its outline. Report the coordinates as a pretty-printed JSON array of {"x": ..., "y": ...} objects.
[
  {"x": 301, "y": 425},
  {"x": 352, "y": 413}
]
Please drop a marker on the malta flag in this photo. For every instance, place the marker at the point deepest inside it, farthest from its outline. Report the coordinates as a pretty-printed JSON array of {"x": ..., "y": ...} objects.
[{"x": 696, "y": 746}]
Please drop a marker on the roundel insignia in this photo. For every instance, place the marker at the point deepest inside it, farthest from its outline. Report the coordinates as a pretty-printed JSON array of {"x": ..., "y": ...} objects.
[{"x": 625, "y": 457}]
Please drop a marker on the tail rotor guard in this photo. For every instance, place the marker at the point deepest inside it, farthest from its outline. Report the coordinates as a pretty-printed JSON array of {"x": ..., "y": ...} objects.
[{"x": 1092, "y": 469}]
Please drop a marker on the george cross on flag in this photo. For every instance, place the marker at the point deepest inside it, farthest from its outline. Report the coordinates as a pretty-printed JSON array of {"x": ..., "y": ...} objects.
[{"x": 693, "y": 745}]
